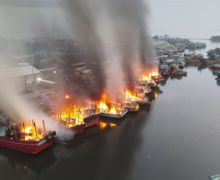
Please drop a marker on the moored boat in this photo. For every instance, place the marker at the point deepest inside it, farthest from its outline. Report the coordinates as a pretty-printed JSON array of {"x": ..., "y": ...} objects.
[
  {"x": 132, "y": 106},
  {"x": 118, "y": 115},
  {"x": 27, "y": 139},
  {"x": 91, "y": 117},
  {"x": 91, "y": 121},
  {"x": 77, "y": 129},
  {"x": 215, "y": 67}
]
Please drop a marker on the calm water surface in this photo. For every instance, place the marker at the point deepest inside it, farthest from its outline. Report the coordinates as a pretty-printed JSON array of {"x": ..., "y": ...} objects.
[
  {"x": 184, "y": 18},
  {"x": 179, "y": 138}
]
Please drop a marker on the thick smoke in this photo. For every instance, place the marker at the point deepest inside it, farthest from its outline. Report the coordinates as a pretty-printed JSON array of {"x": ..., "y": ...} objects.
[
  {"x": 16, "y": 107},
  {"x": 85, "y": 33},
  {"x": 111, "y": 35},
  {"x": 115, "y": 31},
  {"x": 26, "y": 21}
]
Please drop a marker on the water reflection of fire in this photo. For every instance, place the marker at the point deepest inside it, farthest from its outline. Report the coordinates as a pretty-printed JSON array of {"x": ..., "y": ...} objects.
[{"x": 104, "y": 125}]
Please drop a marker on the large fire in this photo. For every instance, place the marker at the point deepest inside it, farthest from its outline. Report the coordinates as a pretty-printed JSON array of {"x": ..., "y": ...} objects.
[
  {"x": 73, "y": 114},
  {"x": 29, "y": 132},
  {"x": 105, "y": 105},
  {"x": 131, "y": 96},
  {"x": 149, "y": 76}
]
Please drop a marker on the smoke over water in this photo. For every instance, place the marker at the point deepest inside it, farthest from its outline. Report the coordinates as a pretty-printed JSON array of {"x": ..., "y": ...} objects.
[{"x": 111, "y": 34}]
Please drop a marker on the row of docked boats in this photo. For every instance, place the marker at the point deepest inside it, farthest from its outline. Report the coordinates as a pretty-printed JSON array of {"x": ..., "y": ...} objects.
[
  {"x": 32, "y": 139},
  {"x": 146, "y": 92},
  {"x": 172, "y": 67}
]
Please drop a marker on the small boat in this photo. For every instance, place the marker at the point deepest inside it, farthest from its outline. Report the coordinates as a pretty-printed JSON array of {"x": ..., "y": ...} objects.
[
  {"x": 143, "y": 89},
  {"x": 180, "y": 64},
  {"x": 165, "y": 74},
  {"x": 26, "y": 139},
  {"x": 118, "y": 115},
  {"x": 170, "y": 62},
  {"x": 158, "y": 78},
  {"x": 163, "y": 67},
  {"x": 178, "y": 73},
  {"x": 215, "y": 67},
  {"x": 214, "y": 177}
]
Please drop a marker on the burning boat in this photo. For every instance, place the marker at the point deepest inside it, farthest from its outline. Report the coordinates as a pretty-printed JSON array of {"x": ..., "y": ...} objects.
[
  {"x": 77, "y": 117},
  {"x": 91, "y": 118},
  {"x": 138, "y": 97},
  {"x": 72, "y": 119},
  {"x": 142, "y": 86},
  {"x": 109, "y": 110},
  {"x": 112, "y": 112},
  {"x": 151, "y": 81},
  {"x": 26, "y": 138},
  {"x": 157, "y": 78},
  {"x": 132, "y": 106}
]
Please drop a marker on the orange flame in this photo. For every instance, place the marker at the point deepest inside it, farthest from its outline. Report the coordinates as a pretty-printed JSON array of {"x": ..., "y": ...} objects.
[
  {"x": 147, "y": 76},
  {"x": 130, "y": 96},
  {"x": 106, "y": 106},
  {"x": 31, "y": 133}
]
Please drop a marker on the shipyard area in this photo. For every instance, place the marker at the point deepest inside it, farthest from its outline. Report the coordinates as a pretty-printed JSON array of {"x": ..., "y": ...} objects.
[
  {"x": 153, "y": 110},
  {"x": 109, "y": 90}
]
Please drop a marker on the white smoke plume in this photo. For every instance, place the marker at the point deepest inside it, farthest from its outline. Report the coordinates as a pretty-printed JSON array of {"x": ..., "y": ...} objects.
[
  {"x": 13, "y": 104},
  {"x": 117, "y": 30}
]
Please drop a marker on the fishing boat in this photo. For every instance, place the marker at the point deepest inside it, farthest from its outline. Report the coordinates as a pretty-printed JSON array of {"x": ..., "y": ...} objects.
[
  {"x": 90, "y": 116},
  {"x": 91, "y": 121},
  {"x": 177, "y": 73},
  {"x": 214, "y": 177},
  {"x": 25, "y": 138},
  {"x": 118, "y": 115},
  {"x": 158, "y": 78},
  {"x": 132, "y": 106},
  {"x": 215, "y": 67},
  {"x": 180, "y": 64},
  {"x": 76, "y": 126},
  {"x": 165, "y": 74}
]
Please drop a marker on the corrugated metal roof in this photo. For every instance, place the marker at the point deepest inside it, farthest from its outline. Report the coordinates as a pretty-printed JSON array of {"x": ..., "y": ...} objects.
[{"x": 20, "y": 71}]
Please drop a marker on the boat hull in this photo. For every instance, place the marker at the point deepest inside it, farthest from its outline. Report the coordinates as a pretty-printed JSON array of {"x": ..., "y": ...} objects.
[
  {"x": 215, "y": 67},
  {"x": 28, "y": 147},
  {"x": 132, "y": 110},
  {"x": 78, "y": 129},
  {"x": 91, "y": 121},
  {"x": 113, "y": 116}
]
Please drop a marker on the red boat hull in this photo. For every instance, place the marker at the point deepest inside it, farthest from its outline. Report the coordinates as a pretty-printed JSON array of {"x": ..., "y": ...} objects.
[
  {"x": 78, "y": 129},
  {"x": 91, "y": 121},
  {"x": 28, "y": 147}
]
